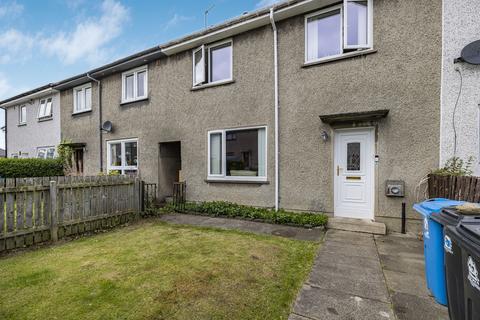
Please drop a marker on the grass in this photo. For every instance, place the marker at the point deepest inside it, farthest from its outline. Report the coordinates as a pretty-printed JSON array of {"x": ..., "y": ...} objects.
[{"x": 157, "y": 271}]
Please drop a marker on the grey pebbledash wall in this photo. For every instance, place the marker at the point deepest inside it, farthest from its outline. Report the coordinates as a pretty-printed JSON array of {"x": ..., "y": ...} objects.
[
  {"x": 402, "y": 76},
  {"x": 465, "y": 16}
]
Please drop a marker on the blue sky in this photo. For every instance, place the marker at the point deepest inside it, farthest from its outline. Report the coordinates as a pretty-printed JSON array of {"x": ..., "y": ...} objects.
[{"x": 49, "y": 40}]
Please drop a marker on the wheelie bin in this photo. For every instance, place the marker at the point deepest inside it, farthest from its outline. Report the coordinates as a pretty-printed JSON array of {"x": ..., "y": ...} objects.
[{"x": 433, "y": 246}]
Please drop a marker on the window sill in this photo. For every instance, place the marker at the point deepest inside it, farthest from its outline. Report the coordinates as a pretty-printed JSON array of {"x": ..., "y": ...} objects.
[
  {"x": 124, "y": 103},
  {"x": 45, "y": 119},
  {"x": 339, "y": 57},
  {"x": 226, "y": 181},
  {"x": 22, "y": 124},
  {"x": 213, "y": 84},
  {"x": 79, "y": 113}
]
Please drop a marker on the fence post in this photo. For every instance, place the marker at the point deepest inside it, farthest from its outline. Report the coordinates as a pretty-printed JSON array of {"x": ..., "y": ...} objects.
[
  {"x": 53, "y": 211},
  {"x": 138, "y": 193}
]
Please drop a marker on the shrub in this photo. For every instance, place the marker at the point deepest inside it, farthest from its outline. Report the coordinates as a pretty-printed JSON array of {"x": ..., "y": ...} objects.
[
  {"x": 232, "y": 210},
  {"x": 23, "y": 168},
  {"x": 455, "y": 166}
]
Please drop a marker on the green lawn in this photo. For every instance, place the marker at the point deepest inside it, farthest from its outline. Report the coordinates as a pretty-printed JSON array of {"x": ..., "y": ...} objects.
[{"x": 152, "y": 270}]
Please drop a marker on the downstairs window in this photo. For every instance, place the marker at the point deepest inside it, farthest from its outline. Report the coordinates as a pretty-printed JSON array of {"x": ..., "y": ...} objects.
[
  {"x": 122, "y": 156},
  {"x": 238, "y": 154}
]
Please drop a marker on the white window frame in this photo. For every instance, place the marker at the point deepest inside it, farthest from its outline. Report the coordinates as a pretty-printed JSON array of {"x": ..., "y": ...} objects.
[
  {"x": 206, "y": 54},
  {"x": 134, "y": 72},
  {"x": 195, "y": 82},
  {"x": 21, "y": 120},
  {"x": 83, "y": 89},
  {"x": 223, "y": 176},
  {"x": 343, "y": 31},
  {"x": 369, "y": 25},
  {"x": 123, "y": 167},
  {"x": 45, "y": 149},
  {"x": 44, "y": 116}
]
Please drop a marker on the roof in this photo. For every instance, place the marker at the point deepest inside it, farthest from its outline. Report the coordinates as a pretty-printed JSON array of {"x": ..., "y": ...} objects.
[{"x": 228, "y": 28}]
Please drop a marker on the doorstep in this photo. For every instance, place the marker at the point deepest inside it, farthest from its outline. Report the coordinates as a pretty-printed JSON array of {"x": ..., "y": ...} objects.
[{"x": 357, "y": 225}]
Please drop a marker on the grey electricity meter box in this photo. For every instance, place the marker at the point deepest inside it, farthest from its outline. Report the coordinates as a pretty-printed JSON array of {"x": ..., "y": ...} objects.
[{"x": 395, "y": 188}]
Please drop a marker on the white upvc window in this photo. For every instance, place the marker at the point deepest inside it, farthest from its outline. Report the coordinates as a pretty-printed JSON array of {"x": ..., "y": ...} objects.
[
  {"x": 238, "y": 154},
  {"x": 82, "y": 98},
  {"x": 122, "y": 156},
  {"x": 213, "y": 63},
  {"x": 135, "y": 84},
  {"x": 45, "y": 108},
  {"x": 337, "y": 30},
  {"x": 46, "y": 152},
  {"x": 22, "y": 115}
]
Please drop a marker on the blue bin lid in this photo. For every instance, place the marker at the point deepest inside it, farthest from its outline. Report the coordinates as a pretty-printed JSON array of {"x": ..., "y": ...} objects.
[{"x": 427, "y": 207}]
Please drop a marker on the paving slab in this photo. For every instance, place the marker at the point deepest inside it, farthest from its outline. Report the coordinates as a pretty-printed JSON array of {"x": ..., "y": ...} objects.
[
  {"x": 331, "y": 258},
  {"x": 366, "y": 251},
  {"x": 318, "y": 303},
  {"x": 408, "y": 307},
  {"x": 314, "y": 234},
  {"x": 359, "y": 283},
  {"x": 403, "y": 264}
]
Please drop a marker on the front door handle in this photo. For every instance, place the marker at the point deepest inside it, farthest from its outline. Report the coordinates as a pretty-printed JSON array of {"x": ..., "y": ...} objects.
[{"x": 338, "y": 171}]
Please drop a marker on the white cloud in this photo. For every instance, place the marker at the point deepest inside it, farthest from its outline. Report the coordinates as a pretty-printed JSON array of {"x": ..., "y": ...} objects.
[
  {"x": 176, "y": 20},
  {"x": 89, "y": 38},
  {"x": 10, "y": 9},
  {"x": 266, "y": 3},
  {"x": 5, "y": 87},
  {"x": 15, "y": 44}
]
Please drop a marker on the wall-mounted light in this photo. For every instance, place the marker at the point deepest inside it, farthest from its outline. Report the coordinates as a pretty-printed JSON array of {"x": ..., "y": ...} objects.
[{"x": 324, "y": 135}]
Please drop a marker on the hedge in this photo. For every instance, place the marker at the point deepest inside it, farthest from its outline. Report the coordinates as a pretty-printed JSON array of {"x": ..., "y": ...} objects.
[
  {"x": 232, "y": 210},
  {"x": 24, "y": 168}
]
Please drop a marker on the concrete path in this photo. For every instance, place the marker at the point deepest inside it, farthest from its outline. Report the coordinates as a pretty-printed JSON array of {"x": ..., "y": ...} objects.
[
  {"x": 245, "y": 225},
  {"x": 404, "y": 270},
  {"x": 359, "y": 276},
  {"x": 346, "y": 281}
]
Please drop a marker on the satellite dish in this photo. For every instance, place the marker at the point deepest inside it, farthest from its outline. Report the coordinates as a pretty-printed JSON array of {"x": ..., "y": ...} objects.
[
  {"x": 107, "y": 126},
  {"x": 471, "y": 53}
]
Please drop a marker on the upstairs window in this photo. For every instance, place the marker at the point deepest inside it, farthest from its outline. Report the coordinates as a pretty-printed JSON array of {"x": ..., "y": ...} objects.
[
  {"x": 213, "y": 63},
  {"x": 338, "y": 30},
  {"x": 45, "y": 108},
  {"x": 82, "y": 98},
  {"x": 135, "y": 84},
  {"x": 46, "y": 152},
  {"x": 22, "y": 115},
  {"x": 238, "y": 154}
]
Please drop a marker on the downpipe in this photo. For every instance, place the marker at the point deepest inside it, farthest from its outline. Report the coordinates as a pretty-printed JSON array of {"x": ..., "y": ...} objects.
[
  {"x": 100, "y": 137},
  {"x": 275, "y": 65}
]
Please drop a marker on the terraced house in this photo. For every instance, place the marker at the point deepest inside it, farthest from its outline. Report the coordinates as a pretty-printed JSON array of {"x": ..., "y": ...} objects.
[
  {"x": 318, "y": 105},
  {"x": 33, "y": 123}
]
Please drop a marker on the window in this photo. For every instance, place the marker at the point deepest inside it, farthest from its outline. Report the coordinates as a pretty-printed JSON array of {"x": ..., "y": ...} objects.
[
  {"x": 213, "y": 63},
  {"x": 82, "y": 98},
  {"x": 22, "y": 115},
  {"x": 45, "y": 108},
  {"x": 338, "y": 30},
  {"x": 122, "y": 156},
  {"x": 46, "y": 152},
  {"x": 135, "y": 85},
  {"x": 238, "y": 154}
]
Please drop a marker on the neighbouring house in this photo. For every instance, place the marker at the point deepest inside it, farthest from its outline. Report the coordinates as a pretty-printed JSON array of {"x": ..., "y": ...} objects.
[
  {"x": 32, "y": 125},
  {"x": 460, "y": 129},
  {"x": 313, "y": 105}
]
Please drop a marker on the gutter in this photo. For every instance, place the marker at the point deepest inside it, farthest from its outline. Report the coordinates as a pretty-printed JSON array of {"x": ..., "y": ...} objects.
[
  {"x": 275, "y": 64},
  {"x": 100, "y": 132}
]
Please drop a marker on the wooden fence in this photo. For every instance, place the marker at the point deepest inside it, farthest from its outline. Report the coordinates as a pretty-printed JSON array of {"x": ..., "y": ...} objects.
[
  {"x": 35, "y": 210},
  {"x": 455, "y": 188}
]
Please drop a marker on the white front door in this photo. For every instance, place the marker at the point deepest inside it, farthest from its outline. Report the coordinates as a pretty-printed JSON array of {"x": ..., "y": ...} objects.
[{"x": 354, "y": 173}]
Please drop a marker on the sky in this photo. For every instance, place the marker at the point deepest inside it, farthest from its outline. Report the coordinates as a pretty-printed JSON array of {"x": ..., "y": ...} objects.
[{"x": 50, "y": 40}]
